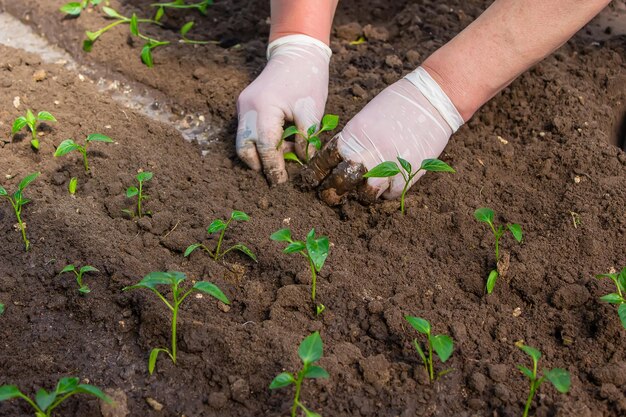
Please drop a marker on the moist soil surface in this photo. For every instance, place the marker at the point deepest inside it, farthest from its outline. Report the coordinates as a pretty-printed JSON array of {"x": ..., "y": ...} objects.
[{"x": 538, "y": 154}]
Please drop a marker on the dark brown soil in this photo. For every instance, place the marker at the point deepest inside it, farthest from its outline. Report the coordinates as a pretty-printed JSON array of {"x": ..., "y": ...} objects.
[{"x": 538, "y": 154}]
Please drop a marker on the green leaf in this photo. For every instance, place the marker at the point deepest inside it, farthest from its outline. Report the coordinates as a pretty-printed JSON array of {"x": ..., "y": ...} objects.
[
  {"x": 112, "y": 13},
  {"x": 66, "y": 385},
  {"x": 311, "y": 130},
  {"x": 27, "y": 180},
  {"x": 18, "y": 124},
  {"x": 159, "y": 14},
  {"x": 44, "y": 116},
  {"x": 44, "y": 399},
  {"x": 484, "y": 214},
  {"x": 290, "y": 156},
  {"x": 296, "y": 246},
  {"x": 282, "y": 380},
  {"x": 329, "y": 122},
  {"x": 491, "y": 281},
  {"x": 560, "y": 379},
  {"x": 88, "y": 44},
  {"x": 151, "y": 280},
  {"x": 211, "y": 289},
  {"x": 154, "y": 354},
  {"x": 30, "y": 118},
  {"x": 527, "y": 372},
  {"x": 144, "y": 176},
  {"x": 239, "y": 216},
  {"x": 87, "y": 268},
  {"x": 621, "y": 279},
  {"x": 98, "y": 137},
  {"x": 146, "y": 56},
  {"x": 186, "y": 28},
  {"x": 612, "y": 298},
  {"x": 8, "y": 392},
  {"x": 405, "y": 165},
  {"x": 621, "y": 312},
  {"x": 317, "y": 249},
  {"x": 384, "y": 170},
  {"x": 516, "y": 231},
  {"x": 72, "y": 8},
  {"x": 443, "y": 345},
  {"x": 316, "y": 372},
  {"x": 532, "y": 352},
  {"x": 96, "y": 392},
  {"x": 419, "y": 350},
  {"x": 290, "y": 131},
  {"x": 72, "y": 185},
  {"x": 216, "y": 226},
  {"x": 68, "y": 268},
  {"x": 84, "y": 290},
  {"x": 309, "y": 413},
  {"x": 1, "y": 309},
  {"x": 65, "y": 147},
  {"x": 436, "y": 165},
  {"x": 245, "y": 250},
  {"x": 282, "y": 235},
  {"x": 132, "y": 191},
  {"x": 191, "y": 248},
  {"x": 419, "y": 324},
  {"x": 133, "y": 25},
  {"x": 316, "y": 142},
  {"x": 311, "y": 348},
  {"x": 3, "y": 192}
]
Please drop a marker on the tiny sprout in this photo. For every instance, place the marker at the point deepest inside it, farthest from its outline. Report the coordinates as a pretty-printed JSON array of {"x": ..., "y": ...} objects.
[
  {"x": 82, "y": 288},
  {"x": 72, "y": 185},
  {"x": 31, "y": 121},
  {"x": 486, "y": 215},
  {"x": 391, "y": 169},
  {"x": 174, "y": 279},
  {"x": 311, "y": 136},
  {"x": 45, "y": 402},
  {"x": 75, "y": 8},
  {"x": 442, "y": 345},
  {"x": 221, "y": 226},
  {"x": 314, "y": 250},
  {"x": 558, "y": 377},
  {"x": 310, "y": 351},
  {"x": 68, "y": 145},
  {"x": 142, "y": 177},
  {"x": 619, "y": 297},
  {"x": 17, "y": 201}
]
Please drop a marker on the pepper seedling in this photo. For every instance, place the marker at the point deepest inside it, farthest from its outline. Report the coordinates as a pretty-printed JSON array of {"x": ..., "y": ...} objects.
[
  {"x": 68, "y": 145},
  {"x": 311, "y": 136},
  {"x": 315, "y": 250},
  {"x": 82, "y": 288},
  {"x": 18, "y": 201},
  {"x": 75, "y": 8},
  {"x": 441, "y": 344},
  {"x": 174, "y": 279},
  {"x": 183, "y": 33},
  {"x": 31, "y": 120},
  {"x": 486, "y": 215},
  {"x": 133, "y": 191},
  {"x": 45, "y": 402},
  {"x": 560, "y": 378},
  {"x": 310, "y": 351},
  {"x": 201, "y": 6},
  {"x": 391, "y": 169},
  {"x": 221, "y": 226},
  {"x": 617, "y": 297}
]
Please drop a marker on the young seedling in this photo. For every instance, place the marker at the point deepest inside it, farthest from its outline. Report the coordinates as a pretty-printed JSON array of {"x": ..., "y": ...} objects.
[
  {"x": 201, "y": 6},
  {"x": 31, "y": 120},
  {"x": 314, "y": 250},
  {"x": 82, "y": 288},
  {"x": 617, "y": 297},
  {"x": 174, "y": 279},
  {"x": 183, "y": 33},
  {"x": 310, "y": 351},
  {"x": 441, "y": 344},
  {"x": 486, "y": 215},
  {"x": 68, "y": 145},
  {"x": 221, "y": 226},
  {"x": 45, "y": 402},
  {"x": 75, "y": 8},
  {"x": 391, "y": 169},
  {"x": 18, "y": 201},
  {"x": 558, "y": 377},
  {"x": 311, "y": 136},
  {"x": 72, "y": 185},
  {"x": 133, "y": 191}
]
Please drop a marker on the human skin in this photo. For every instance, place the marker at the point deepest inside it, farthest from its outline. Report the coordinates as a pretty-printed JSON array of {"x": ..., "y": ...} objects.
[{"x": 302, "y": 17}]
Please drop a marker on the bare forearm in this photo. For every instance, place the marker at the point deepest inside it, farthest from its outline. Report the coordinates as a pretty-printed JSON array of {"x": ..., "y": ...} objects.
[
  {"x": 506, "y": 40},
  {"x": 307, "y": 17}
]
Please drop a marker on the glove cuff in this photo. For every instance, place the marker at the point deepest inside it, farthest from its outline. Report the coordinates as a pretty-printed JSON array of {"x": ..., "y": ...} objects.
[
  {"x": 298, "y": 39},
  {"x": 421, "y": 79}
]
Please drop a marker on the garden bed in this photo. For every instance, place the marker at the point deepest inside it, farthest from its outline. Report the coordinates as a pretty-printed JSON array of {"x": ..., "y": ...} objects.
[{"x": 538, "y": 154}]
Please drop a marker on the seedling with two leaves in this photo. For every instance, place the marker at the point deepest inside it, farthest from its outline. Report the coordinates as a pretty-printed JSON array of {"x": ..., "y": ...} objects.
[
  {"x": 174, "y": 279},
  {"x": 31, "y": 120},
  {"x": 310, "y": 351},
  {"x": 311, "y": 136},
  {"x": 75, "y": 8},
  {"x": 486, "y": 215},
  {"x": 315, "y": 250},
  {"x": 18, "y": 201},
  {"x": 560, "y": 378},
  {"x": 133, "y": 191},
  {"x": 221, "y": 226},
  {"x": 391, "y": 169},
  {"x": 68, "y": 145},
  {"x": 618, "y": 297},
  {"x": 441, "y": 344},
  {"x": 82, "y": 288},
  {"x": 45, "y": 402}
]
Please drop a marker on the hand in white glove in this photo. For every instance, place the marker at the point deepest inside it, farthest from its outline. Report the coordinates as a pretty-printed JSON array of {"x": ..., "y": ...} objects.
[
  {"x": 413, "y": 119},
  {"x": 293, "y": 86}
]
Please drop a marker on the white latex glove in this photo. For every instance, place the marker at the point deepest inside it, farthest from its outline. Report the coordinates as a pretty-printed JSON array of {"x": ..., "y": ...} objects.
[
  {"x": 412, "y": 118},
  {"x": 294, "y": 87}
]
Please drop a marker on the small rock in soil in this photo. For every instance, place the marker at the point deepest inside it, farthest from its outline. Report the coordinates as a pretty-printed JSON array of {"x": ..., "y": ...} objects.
[
  {"x": 375, "y": 307},
  {"x": 157, "y": 406},
  {"x": 393, "y": 61},
  {"x": 478, "y": 382},
  {"x": 376, "y": 33},
  {"x": 240, "y": 391},
  {"x": 217, "y": 400},
  {"x": 413, "y": 57},
  {"x": 119, "y": 407},
  {"x": 376, "y": 370},
  {"x": 202, "y": 74},
  {"x": 498, "y": 372},
  {"x": 503, "y": 264},
  {"x": 358, "y": 91},
  {"x": 39, "y": 75},
  {"x": 349, "y": 32},
  {"x": 223, "y": 307},
  {"x": 570, "y": 296},
  {"x": 263, "y": 203}
]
